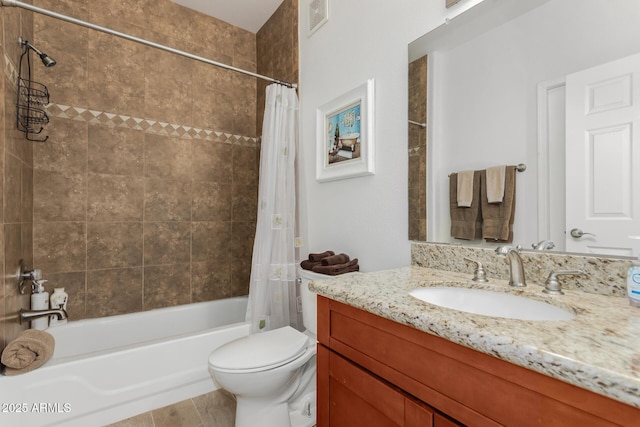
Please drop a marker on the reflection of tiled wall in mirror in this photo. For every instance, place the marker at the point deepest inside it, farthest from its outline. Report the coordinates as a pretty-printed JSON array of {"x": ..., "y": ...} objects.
[
  {"x": 417, "y": 149},
  {"x": 450, "y": 3}
]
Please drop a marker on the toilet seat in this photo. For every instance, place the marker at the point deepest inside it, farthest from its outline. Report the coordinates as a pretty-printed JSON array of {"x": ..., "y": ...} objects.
[{"x": 260, "y": 352}]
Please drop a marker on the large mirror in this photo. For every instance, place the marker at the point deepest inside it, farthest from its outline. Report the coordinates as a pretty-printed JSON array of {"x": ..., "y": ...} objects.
[{"x": 551, "y": 84}]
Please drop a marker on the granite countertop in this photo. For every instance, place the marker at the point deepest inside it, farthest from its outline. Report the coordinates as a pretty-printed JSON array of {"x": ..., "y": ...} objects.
[{"x": 598, "y": 350}]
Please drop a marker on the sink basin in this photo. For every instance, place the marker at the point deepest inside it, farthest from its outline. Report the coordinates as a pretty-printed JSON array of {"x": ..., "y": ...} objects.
[{"x": 489, "y": 303}]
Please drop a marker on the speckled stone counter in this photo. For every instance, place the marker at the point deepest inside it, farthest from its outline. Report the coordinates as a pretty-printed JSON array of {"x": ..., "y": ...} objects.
[{"x": 598, "y": 350}]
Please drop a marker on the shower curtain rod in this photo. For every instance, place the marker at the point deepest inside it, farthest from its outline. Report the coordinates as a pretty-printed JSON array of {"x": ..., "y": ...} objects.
[{"x": 16, "y": 3}]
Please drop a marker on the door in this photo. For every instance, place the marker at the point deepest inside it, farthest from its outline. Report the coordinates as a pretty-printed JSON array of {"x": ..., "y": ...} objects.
[{"x": 603, "y": 158}]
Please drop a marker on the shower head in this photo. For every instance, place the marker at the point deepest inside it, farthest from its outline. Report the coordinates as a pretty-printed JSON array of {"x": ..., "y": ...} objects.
[{"x": 46, "y": 59}]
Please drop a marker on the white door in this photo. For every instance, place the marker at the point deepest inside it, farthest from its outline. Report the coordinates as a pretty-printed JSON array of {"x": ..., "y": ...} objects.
[{"x": 603, "y": 158}]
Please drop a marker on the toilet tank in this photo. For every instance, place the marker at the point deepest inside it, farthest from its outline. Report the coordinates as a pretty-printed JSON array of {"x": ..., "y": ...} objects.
[{"x": 309, "y": 304}]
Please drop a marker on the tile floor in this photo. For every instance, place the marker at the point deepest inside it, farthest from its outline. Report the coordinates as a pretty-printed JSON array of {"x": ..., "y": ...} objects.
[{"x": 215, "y": 409}]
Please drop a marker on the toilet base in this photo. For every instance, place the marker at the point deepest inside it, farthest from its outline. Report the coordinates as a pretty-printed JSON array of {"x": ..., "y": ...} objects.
[
  {"x": 302, "y": 413},
  {"x": 251, "y": 413},
  {"x": 298, "y": 411}
]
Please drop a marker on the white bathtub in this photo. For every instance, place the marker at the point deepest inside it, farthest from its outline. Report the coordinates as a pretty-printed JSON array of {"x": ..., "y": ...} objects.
[{"x": 104, "y": 370}]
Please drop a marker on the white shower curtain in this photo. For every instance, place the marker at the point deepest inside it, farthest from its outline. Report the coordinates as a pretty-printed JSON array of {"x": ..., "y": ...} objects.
[{"x": 273, "y": 268}]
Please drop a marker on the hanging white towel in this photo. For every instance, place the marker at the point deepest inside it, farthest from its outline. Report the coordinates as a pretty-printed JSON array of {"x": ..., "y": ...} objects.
[
  {"x": 465, "y": 189},
  {"x": 495, "y": 184}
]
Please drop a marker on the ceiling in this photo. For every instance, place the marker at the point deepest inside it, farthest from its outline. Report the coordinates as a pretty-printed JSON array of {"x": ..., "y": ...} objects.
[{"x": 247, "y": 14}]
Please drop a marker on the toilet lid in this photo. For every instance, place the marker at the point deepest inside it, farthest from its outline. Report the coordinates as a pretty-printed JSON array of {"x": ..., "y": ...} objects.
[{"x": 263, "y": 350}]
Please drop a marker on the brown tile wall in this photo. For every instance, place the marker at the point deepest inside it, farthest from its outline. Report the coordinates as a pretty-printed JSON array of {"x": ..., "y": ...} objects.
[
  {"x": 277, "y": 50},
  {"x": 138, "y": 204},
  {"x": 144, "y": 195},
  {"x": 16, "y": 176},
  {"x": 418, "y": 150}
]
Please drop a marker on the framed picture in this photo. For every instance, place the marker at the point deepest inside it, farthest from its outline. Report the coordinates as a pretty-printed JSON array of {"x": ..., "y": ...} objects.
[{"x": 344, "y": 135}]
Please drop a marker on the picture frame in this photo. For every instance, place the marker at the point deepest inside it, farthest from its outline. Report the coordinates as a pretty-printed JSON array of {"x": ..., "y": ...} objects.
[{"x": 345, "y": 137}]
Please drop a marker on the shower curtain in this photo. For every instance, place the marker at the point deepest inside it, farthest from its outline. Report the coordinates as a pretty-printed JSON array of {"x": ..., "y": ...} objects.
[{"x": 273, "y": 268}]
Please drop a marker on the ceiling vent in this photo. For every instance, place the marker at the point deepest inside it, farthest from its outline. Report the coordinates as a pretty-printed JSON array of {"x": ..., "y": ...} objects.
[{"x": 318, "y": 14}]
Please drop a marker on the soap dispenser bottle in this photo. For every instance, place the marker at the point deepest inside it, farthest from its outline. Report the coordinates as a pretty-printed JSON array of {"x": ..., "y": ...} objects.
[
  {"x": 58, "y": 300},
  {"x": 39, "y": 301},
  {"x": 633, "y": 284}
]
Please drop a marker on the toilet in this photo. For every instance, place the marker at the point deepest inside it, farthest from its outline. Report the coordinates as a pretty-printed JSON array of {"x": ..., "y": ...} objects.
[{"x": 273, "y": 374}]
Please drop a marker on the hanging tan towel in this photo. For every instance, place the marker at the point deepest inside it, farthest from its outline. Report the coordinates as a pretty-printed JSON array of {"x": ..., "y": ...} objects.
[
  {"x": 30, "y": 350},
  {"x": 495, "y": 184},
  {"x": 465, "y": 222},
  {"x": 497, "y": 218},
  {"x": 465, "y": 188}
]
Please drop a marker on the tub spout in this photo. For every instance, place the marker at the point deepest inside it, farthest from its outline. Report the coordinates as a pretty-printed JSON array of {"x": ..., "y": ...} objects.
[{"x": 28, "y": 315}]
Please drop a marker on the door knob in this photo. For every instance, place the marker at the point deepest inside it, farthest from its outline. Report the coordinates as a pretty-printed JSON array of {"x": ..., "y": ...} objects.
[{"x": 577, "y": 233}]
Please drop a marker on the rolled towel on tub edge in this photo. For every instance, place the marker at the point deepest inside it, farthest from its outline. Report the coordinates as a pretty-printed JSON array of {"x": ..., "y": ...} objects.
[{"x": 30, "y": 350}]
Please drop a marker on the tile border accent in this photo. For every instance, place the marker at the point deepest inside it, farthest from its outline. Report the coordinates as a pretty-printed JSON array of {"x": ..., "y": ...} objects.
[
  {"x": 146, "y": 125},
  {"x": 158, "y": 127},
  {"x": 10, "y": 70}
]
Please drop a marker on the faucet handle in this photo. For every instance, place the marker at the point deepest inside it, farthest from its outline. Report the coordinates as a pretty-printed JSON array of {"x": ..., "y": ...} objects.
[
  {"x": 543, "y": 245},
  {"x": 23, "y": 274},
  {"x": 479, "y": 274},
  {"x": 505, "y": 249},
  {"x": 553, "y": 287}
]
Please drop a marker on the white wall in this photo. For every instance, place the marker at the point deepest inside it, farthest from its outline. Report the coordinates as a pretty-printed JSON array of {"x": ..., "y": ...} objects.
[{"x": 365, "y": 217}]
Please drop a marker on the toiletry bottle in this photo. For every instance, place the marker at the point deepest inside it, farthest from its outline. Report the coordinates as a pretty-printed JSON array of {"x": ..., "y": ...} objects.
[
  {"x": 58, "y": 300},
  {"x": 633, "y": 284},
  {"x": 39, "y": 301}
]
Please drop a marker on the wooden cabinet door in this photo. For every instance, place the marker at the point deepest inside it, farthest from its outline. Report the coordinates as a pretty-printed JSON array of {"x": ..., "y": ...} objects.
[
  {"x": 357, "y": 398},
  {"x": 418, "y": 414},
  {"x": 442, "y": 421}
]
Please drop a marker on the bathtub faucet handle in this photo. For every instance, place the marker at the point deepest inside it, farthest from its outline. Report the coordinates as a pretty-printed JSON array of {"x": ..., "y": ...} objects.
[{"x": 23, "y": 275}]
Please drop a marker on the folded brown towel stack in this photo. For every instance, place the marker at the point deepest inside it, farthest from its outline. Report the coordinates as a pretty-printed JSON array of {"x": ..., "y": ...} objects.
[
  {"x": 466, "y": 222},
  {"x": 497, "y": 225},
  {"x": 335, "y": 269},
  {"x": 30, "y": 350},
  {"x": 329, "y": 263},
  {"x": 335, "y": 259},
  {"x": 319, "y": 257},
  {"x": 308, "y": 265}
]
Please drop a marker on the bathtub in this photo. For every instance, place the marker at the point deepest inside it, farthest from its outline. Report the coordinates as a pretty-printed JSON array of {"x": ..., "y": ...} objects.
[{"x": 104, "y": 370}]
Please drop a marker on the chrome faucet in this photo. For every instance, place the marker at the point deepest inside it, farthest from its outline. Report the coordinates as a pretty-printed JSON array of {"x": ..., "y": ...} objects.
[
  {"x": 512, "y": 253},
  {"x": 29, "y": 315},
  {"x": 543, "y": 245}
]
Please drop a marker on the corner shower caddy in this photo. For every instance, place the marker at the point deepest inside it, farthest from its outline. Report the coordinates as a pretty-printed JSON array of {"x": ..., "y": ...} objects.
[{"x": 30, "y": 95}]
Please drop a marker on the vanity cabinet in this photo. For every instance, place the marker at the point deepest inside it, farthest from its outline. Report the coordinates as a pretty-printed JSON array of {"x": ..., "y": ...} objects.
[{"x": 375, "y": 372}]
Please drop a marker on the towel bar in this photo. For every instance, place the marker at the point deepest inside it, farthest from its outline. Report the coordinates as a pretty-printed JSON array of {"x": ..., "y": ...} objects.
[{"x": 520, "y": 167}]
